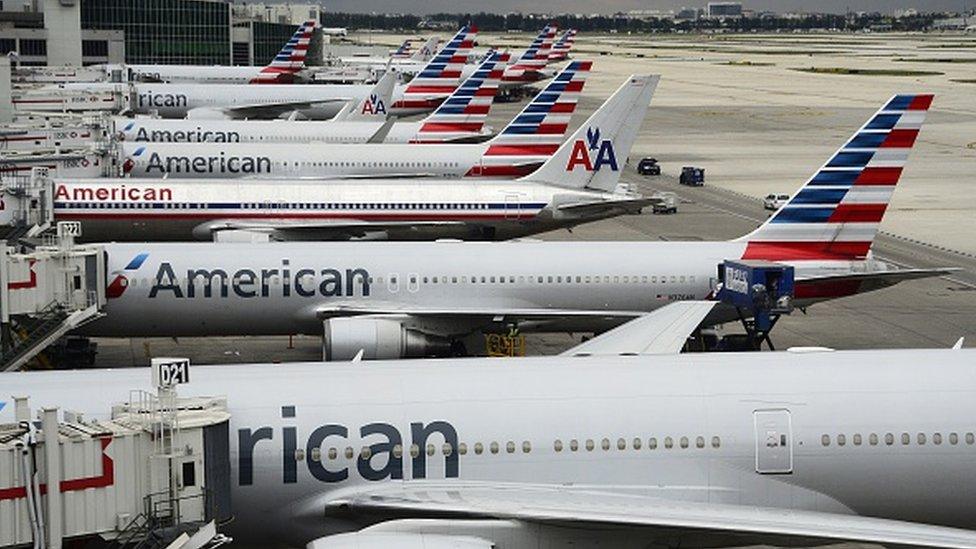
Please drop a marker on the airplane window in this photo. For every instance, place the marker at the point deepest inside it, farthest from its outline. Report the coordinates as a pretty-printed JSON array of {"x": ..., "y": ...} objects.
[
  {"x": 621, "y": 444},
  {"x": 492, "y": 279},
  {"x": 526, "y": 447},
  {"x": 654, "y": 279},
  {"x": 716, "y": 442},
  {"x": 483, "y": 280},
  {"x": 873, "y": 439},
  {"x": 511, "y": 280},
  {"x": 637, "y": 443},
  {"x": 857, "y": 439},
  {"x": 447, "y": 449},
  {"x": 540, "y": 280},
  {"x": 365, "y": 453},
  {"x": 333, "y": 454},
  {"x": 586, "y": 280},
  {"x": 462, "y": 448},
  {"x": 605, "y": 444},
  {"x": 921, "y": 439},
  {"x": 606, "y": 280},
  {"x": 510, "y": 447},
  {"x": 682, "y": 279},
  {"x": 397, "y": 450},
  {"x": 349, "y": 452},
  {"x": 970, "y": 438},
  {"x": 668, "y": 442},
  {"x": 453, "y": 280},
  {"x": 578, "y": 279},
  {"x": 414, "y": 450},
  {"x": 684, "y": 442},
  {"x": 425, "y": 280},
  {"x": 953, "y": 439},
  {"x": 559, "y": 279},
  {"x": 937, "y": 439},
  {"x": 691, "y": 279},
  {"x": 651, "y": 443},
  {"x": 889, "y": 439},
  {"x": 825, "y": 440},
  {"x": 431, "y": 449},
  {"x": 574, "y": 445},
  {"x": 905, "y": 438},
  {"x": 841, "y": 440},
  {"x": 589, "y": 445},
  {"x": 478, "y": 448},
  {"x": 674, "y": 279},
  {"x": 558, "y": 445},
  {"x": 700, "y": 442},
  {"x": 493, "y": 447},
  {"x": 434, "y": 280}
]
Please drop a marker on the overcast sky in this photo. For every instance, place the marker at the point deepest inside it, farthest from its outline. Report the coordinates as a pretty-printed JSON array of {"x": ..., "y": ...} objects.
[{"x": 610, "y": 6}]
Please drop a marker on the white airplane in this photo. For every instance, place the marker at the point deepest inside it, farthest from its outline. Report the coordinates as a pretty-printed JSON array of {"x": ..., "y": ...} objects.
[
  {"x": 460, "y": 118},
  {"x": 423, "y": 94},
  {"x": 378, "y": 295},
  {"x": 521, "y": 147},
  {"x": 577, "y": 185},
  {"x": 402, "y": 56},
  {"x": 283, "y": 69},
  {"x": 692, "y": 450}
]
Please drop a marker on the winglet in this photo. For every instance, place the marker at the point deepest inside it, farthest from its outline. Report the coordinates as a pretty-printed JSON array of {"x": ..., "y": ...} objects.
[
  {"x": 594, "y": 156},
  {"x": 958, "y": 344},
  {"x": 663, "y": 331}
]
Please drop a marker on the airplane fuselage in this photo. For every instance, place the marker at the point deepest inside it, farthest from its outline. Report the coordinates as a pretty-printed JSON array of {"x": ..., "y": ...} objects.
[
  {"x": 874, "y": 433},
  {"x": 199, "y": 289}
]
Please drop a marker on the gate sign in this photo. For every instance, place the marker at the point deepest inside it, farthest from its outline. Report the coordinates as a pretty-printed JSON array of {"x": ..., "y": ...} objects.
[{"x": 167, "y": 372}]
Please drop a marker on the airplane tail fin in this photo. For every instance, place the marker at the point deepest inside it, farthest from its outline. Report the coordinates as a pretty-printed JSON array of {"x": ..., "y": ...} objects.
[
  {"x": 560, "y": 50},
  {"x": 426, "y": 51},
  {"x": 537, "y": 55},
  {"x": 466, "y": 110},
  {"x": 291, "y": 58},
  {"x": 836, "y": 214},
  {"x": 593, "y": 157},
  {"x": 536, "y": 132},
  {"x": 373, "y": 107},
  {"x": 403, "y": 51},
  {"x": 440, "y": 77}
]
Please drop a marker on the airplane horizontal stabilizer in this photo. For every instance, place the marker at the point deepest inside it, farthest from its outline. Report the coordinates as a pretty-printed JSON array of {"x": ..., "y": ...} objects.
[
  {"x": 663, "y": 331},
  {"x": 634, "y": 205},
  {"x": 587, "y": 506},
  {"x": 853, "y": 283}
]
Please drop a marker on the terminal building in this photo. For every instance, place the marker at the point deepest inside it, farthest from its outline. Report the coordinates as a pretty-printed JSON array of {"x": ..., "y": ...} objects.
[{"x": 188, "y": 32}]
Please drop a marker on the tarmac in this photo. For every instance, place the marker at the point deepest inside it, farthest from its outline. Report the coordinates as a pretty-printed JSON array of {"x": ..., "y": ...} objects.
[{"x": 758, "y": 126}]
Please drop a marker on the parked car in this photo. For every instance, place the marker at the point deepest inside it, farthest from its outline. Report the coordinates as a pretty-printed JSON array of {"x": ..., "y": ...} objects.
[
  {"x": 693, "y": 176},
  {"x": 775, "y": 201},
  {"x": 648, "y": 166}
]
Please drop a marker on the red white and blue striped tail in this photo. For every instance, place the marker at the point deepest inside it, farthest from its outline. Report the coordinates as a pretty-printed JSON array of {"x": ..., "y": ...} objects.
[
  {"x": 560, "y": 50},
  {"x": 465, "y": 112},
  {"x": 836, "y": 214},
  {"x": 538, "y": 131},
  {"x": 530, "y": 66},
  {"x": 442, "y": 74},
  {"x": 404, "y": 51},
  {"x": 291, "y": 58}
]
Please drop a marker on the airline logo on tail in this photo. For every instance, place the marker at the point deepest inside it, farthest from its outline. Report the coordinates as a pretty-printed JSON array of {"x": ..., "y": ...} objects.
[
  {"x": 583, "y": 152},
  {"x": 118, "y": 285},
  {"x": 837, "y": 213},
  {"x": 466, "y": 110},
  {"x": 290, "y": 59},
  {"x": 441, "y": 76},
  {"x": 560, "y": 50},
  {"x": 373, "y": 105},
  {"x": 538, "y": 131}
]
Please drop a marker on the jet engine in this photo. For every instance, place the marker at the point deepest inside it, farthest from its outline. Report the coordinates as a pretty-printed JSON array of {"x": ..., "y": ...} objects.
[{"x": 378, "y": 338}]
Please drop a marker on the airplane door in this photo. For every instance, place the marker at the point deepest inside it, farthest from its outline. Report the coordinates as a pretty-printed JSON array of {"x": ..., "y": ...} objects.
[
  {"x": 511, "y": 206},
  {"x": 774, "y": 442}
]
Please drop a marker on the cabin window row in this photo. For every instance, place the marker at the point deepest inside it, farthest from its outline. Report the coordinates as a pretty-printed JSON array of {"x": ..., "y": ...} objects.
[
  {"x": 373, "y": 164},
  {"x": 904, "y": 439},
  {"x": 511, "y": 447},
  {"x": 545, "y": 279}
]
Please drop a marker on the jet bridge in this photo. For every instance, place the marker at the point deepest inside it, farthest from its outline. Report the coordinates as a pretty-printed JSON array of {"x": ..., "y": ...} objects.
[
  {"x": 156, "y": 473},
  {"x": 48, "y": 290},
  {"x": 760, "y": 291}
]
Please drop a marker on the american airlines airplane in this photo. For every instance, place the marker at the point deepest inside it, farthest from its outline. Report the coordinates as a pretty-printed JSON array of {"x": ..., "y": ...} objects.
[
  {"x": 402, "y": 56},
  {"x": 689, "y": 450},
  {"x": 560, "y": 50},
  {"x": 424, "y": 93},
  {"x": 577, "y": 185},
  {"x": 531, "y": 65},
  {"x": 405, "y": 298},
  {"x": 521, "y": 147},
  {"x": 283, "y": 69},
  {"x": 460, "y": 118}
]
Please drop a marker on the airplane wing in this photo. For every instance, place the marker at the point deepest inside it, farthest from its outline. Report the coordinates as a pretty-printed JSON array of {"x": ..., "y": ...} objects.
[
  {"x": 597, "y": 206},
  {"x": 580, "y": 507},
  {"x": 259, "y": 110},
  {"x": 663, "y": 331},
  {"x": 228, "y": 230}
]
